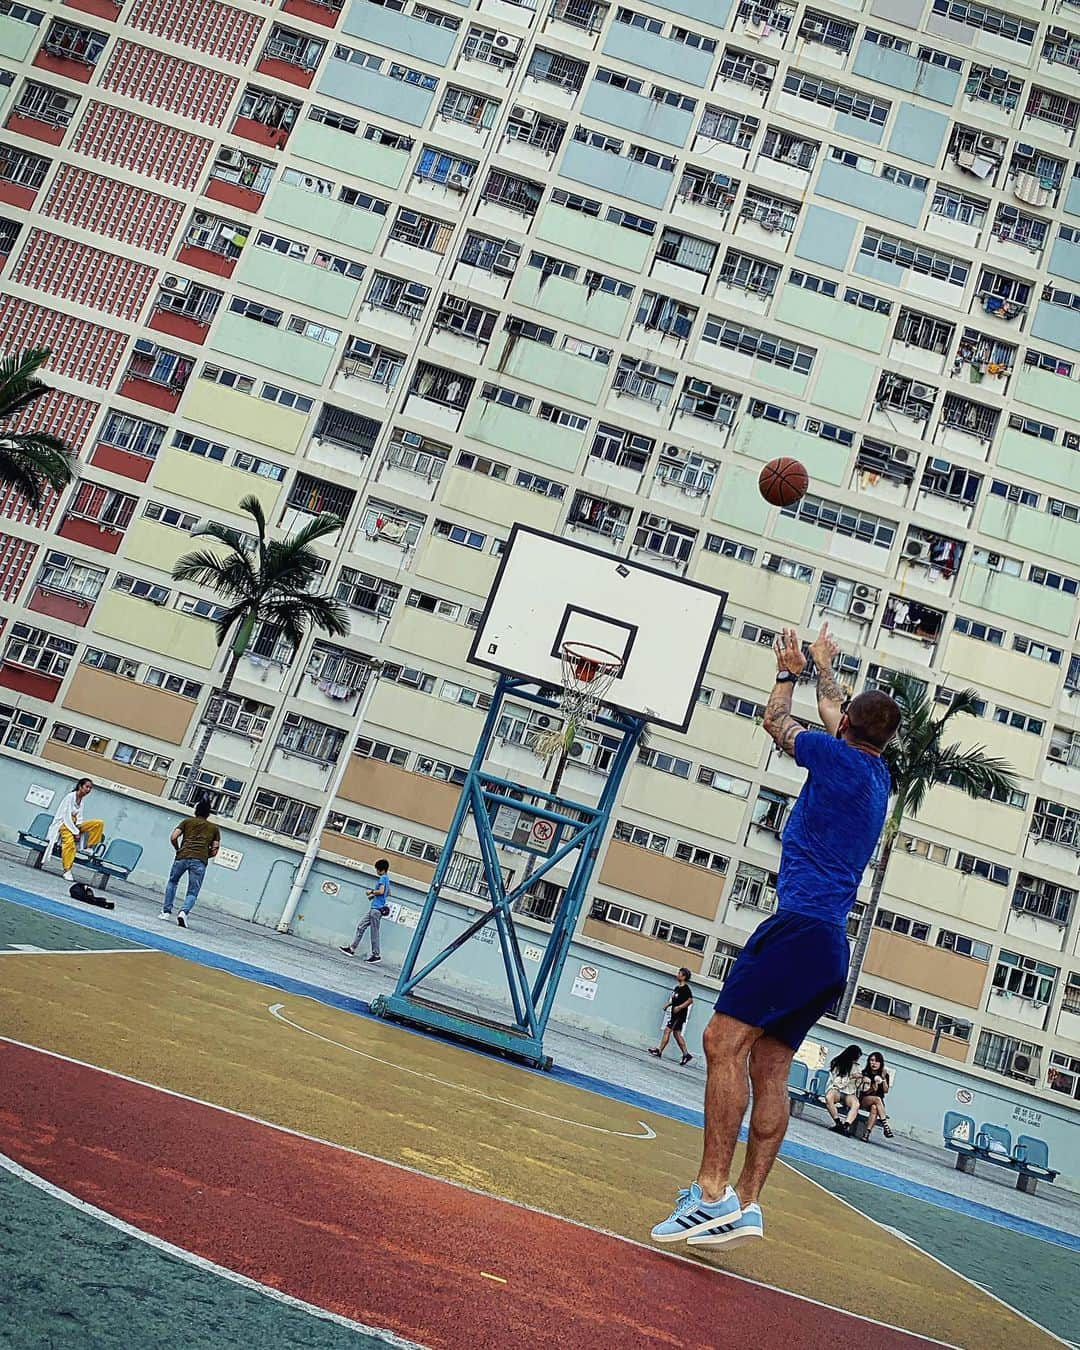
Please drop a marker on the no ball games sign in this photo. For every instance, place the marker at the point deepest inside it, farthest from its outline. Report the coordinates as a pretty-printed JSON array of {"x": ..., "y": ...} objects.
[{"x": 524, "y": 829}]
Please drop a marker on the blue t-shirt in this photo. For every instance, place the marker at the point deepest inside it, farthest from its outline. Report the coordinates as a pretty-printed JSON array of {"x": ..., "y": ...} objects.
[
  {"x": 381, "y": 892},
  {"x": 833, "y": 827}
]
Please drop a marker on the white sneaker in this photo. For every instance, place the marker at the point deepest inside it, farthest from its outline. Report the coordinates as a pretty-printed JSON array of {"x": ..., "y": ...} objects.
[
  {"x": 165, "y": 916},
  {"x": 69, "y": 876},
  {"x": 181, "y": 919}
]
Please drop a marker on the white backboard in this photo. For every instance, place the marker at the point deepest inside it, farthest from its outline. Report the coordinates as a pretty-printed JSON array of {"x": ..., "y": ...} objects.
[{"x": 550, "y": 590}]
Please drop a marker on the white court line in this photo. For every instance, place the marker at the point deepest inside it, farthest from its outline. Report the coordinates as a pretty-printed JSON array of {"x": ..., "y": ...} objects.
[
  {"x": 202, "y": 1262},
  {"x": 487, "y": 1195},
  {"x": 930, "y": 1255},
  {"x": 25, "y": 949},
  {"x": 275, "y": 1010}
]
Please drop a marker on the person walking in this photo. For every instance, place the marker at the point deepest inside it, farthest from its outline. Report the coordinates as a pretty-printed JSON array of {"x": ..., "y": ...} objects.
[
  {"x": 196, "y": 840},
  {"x": 69, "y": 826},
  {"x": 794, "y": 967},
  {"x": 379, "y": 896},
  {"x": 678, "y": 1009}
]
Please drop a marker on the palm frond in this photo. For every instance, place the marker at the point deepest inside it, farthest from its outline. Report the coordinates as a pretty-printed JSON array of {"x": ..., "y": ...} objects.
[
  {"x": 18, "y": 379},
  {"x": 974, "y": 772},
  {"x": 965, "y": 702},
  {"x": 227, "y": 575}
]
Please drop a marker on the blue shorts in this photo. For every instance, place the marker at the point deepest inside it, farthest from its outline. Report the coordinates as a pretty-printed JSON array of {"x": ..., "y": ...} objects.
[{"x": 790, "y": 972}]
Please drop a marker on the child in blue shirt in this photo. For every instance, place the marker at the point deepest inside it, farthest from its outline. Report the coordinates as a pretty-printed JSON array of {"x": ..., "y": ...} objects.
[{"x": 379, "y": 896}]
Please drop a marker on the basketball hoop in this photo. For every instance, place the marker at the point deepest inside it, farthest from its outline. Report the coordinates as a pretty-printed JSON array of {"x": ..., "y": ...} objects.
[{"x": 588, "y": 673}]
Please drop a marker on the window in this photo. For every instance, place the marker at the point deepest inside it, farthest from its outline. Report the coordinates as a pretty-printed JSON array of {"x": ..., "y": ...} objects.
[
  {"x": 914, "y": 257},
  {"x": 490, "y": 47},
  {"x": 744, "y": 272},
  {"x": 774, "y": 215},
  {"x": 1038, "y": 651},
  {"x": 981, "y": 867},
  {"x": 68, "y": 576},
  {"x": 422, "y": 232},
  {"x": 742, "y": 707},
  {"x": 353, "y": 828},
  {"x": 963, "y": 945},
  {"x": 20, "y": 730},
  {"x": 753, "y": 342},
  {"x": 723, "y": 959},
  {"x": 686, "y": 250},
  {"x": 789, "y": 148},
  {"x": 736, "y": 550},
  {"x": 885, "y": 1004},
  {"x": 922, "y": 848},
  {"x": 753, "y": 888},
  {"x": 995, "y": 21},
  {"x": 850, "y": 101},
  {"x": 39, "y": 650},
  {"x": 556, "y": 68},
  {"x": 950, "y": 1025},
  {"x": 1043, "y": 899},
  {"x": 282, "y": 815},
  {"x": 619, "y": 915},
  {"x": 498, "y": 256},
  {"x": 172, "y": 516},
  {"x": 723, "y": 782},
  {"x": 678, "y": 936},
  {"x": 664, "y": 538},
  {"x": 1025, "y": 977},
  {"x": 397, "y": 295},
  {"x": 440, "y": 385},
  {"x": 664, "y": 762},
  {"x": 1012, "y": 492},
  {"x": 788, "y": 567},
  {"x": 78, "y": 739},
  {"x": 103, "y": 506},
  {"x": 902, "y": 924},
  {"x": 807, "y": 282},
  {"x": 451, "y": 692},
  {"x": 1008, "y": 1056},
  {"x": 459, "y": 534},
  {"x": 511, "y": 191},
  {"x": 447, "y": 170},
  {"x": 122, "y": 666},
  {"x": 952, "y": 204},
  {"x": 147, "y": 760},
  {"x": 844, "y": 520},
  {"x": 409, "y": 676},
  {"x": 308, "y": 738},
  {"x": 1054, "y": 581},
  {"x": 369, "y": 594},
  {"x": 698, "y": 856},
  {"x": 250, "y": 309}
]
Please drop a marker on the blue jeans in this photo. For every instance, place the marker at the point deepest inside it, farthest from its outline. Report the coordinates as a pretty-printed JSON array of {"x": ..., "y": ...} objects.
[{"x": 196, "y": 871}]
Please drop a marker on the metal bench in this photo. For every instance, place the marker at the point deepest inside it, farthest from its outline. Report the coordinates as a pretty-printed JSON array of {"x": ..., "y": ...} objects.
[
  {"x": 118, "y": 859},
  {"x": 808, "y": 1089},
  {"x": 1029, "y": 1158}
]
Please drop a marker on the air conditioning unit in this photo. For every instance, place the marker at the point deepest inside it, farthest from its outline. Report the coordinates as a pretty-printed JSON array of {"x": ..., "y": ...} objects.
[
  {"x": 862, "y": 609},
  {"x": 200, "y": 218},
  {"x": 577, "y": 749},
  {"x": 1057, "y": 752},
  {"x": 408, "y": 218},
  {"x": 762, "y": 68},
  {"x": 459, "y": 181},
  {"x": 699, "y": 388},
  {"x": 813, "y": 28},
  {"x": 922, "y": 393},
  {"x": 673, "y": 455},
  {"x": 997, "y": 75},
  {"x": 411, "y": 438},
  {"x": 721, "y": 180},
  {"x": 543, "y": 721},
  {"x": 917, "y": 550},
  {"x": 414, "y": 290},
  {"x": 864, "y": 592},
  {"x": 813, "y": 426},
  {"x": 646, "y": 368},
  {"x": 507, "y": 44},
  {"x": 1025, "y": 150},
  {"x": 454, "y": 304},
  {"x": 364, "y": 349},
  {"x": 519, "y": 113},
  {"x": 143, "y": 347},
  {"x": 939, "y": 465},
  {"x": 1020, "y": 1063},
  {"x": 1072, "y": 440},
  {"x": 230, "y": 157},
  {"x": 990, "y": 144},
  {"x": 176, "y": 285}
]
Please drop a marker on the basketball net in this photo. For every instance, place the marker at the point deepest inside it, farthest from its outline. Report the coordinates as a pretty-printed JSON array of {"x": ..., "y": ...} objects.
[{"x": 587, "y": 675}]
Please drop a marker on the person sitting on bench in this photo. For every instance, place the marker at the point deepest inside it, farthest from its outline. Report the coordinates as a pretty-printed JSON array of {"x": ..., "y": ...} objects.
[
  {"x": 874, "y": 1083},
  {"x": 69, "y": 826},
  {"x": 843, "y": 1088}
]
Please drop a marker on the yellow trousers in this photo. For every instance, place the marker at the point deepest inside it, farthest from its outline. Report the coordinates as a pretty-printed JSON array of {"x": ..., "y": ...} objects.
[{"x": 94, "y": 830}]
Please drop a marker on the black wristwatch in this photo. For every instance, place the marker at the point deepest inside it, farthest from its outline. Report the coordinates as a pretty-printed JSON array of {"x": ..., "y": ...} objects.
[{"x": 786, "y": 677}]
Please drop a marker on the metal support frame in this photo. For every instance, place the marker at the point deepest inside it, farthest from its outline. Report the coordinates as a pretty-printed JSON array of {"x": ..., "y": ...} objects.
[{"x": 579, "y": 829}]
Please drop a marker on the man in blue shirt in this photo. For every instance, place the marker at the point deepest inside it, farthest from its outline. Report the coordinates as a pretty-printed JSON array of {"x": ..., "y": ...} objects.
[
  {"x": 795, "y": 964},
  {"x": 379, "y": 896}
]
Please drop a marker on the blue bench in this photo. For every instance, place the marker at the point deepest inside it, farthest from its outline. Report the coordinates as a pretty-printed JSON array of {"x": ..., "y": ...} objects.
[
  {"x": 1029, "y": 1158},
  {"x": 808, "y": 1089},
  {"x": 116, "y": 859}
]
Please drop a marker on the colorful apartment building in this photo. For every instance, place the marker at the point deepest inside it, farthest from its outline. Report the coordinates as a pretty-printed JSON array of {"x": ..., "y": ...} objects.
[{"x": 440, "y": 267}]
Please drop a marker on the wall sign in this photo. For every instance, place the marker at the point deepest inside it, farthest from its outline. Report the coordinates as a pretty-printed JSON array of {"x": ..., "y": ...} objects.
[
  {"x": 228, "y": 857},
  {"x": 39, "y": 796}
]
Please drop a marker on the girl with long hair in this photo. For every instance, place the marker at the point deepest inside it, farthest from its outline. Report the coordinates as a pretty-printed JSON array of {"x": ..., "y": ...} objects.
[
  {"x": 843, "y": 1089},
  {"x": 873, "y": 1085}
]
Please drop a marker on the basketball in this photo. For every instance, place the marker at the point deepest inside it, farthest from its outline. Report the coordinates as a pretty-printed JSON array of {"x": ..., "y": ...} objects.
[{"x": 783, "y": 481}]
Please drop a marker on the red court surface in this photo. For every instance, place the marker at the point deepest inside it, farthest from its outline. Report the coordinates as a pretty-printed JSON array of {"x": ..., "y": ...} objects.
[{"x": 378, "y": 1243}]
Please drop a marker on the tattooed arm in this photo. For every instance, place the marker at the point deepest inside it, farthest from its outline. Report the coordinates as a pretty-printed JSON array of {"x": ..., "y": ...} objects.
[
  {"x": 778, "y": 721},
  {"x": 830, "y": 696}
]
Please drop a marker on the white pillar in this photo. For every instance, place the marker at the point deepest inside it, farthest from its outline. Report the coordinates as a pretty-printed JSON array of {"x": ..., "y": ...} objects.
[{"x": 312, "y": 850}]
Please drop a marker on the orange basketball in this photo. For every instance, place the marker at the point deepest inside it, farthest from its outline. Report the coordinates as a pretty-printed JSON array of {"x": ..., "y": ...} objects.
[{"x": 783, "y": 481}]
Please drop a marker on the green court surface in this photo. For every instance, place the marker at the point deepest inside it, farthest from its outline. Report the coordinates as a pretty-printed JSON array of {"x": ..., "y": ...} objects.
[
  {"x": 1038, "y": 1279},
  {"x": 70, "y": 1280},
  {"x": 23, "y": 929}
]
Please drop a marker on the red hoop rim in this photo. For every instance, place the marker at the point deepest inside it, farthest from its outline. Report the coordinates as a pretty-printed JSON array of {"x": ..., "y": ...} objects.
[{"x": 587, "y": 662}]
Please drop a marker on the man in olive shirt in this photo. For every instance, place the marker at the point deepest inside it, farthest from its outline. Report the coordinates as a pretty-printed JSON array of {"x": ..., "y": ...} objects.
[{"x": 196, "y": 841}]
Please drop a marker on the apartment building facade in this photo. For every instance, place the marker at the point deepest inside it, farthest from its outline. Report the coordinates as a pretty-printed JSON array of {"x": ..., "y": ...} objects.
[{"x": 440, "y": 267}]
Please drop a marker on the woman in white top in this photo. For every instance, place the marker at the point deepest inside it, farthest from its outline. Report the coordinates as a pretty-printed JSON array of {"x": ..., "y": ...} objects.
[
  {"x": 69, "y": 826},
  {"x": 843, "y": 1088}
]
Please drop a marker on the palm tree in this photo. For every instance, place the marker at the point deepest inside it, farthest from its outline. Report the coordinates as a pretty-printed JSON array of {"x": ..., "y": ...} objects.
[
  {"x": 30, "y": 461},
  {"x": 265, "y": 581},
  {"x": 918, "y": 760}
]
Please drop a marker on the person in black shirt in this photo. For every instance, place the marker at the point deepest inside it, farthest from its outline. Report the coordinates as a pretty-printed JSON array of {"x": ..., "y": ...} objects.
[{"x": 679, "y": 1004}]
